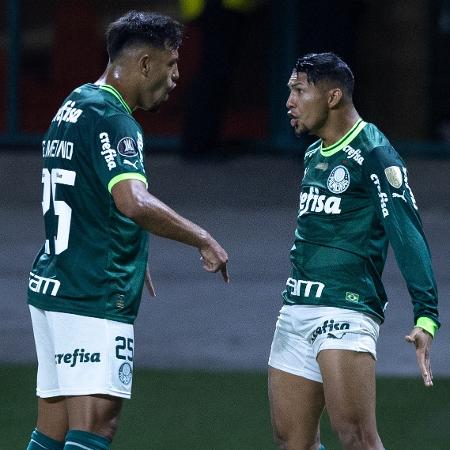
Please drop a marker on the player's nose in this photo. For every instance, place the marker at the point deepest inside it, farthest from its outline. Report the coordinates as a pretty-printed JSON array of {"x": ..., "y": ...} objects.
[
  {"x": 176, "y": 73},
  {"x": 290, "y": 102}
]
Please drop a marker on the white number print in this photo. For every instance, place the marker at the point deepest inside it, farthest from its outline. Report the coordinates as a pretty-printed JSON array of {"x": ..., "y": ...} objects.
[{"x": 50, "y": 178}]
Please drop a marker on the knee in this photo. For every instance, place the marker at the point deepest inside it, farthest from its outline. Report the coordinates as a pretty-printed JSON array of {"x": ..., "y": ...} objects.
[
  {"x": 291, "y": 441},
  {"x": 112, "y": 427},
  {"x": 104, "y": 422},
  {"x": 355, "y": 434},
  {"x": 281, "y": 443},
  {"x": 280, "y": 437},
  {"x": 107, "y": 428}
]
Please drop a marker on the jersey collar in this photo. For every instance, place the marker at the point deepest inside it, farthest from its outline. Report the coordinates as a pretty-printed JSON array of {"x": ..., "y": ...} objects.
[
  {"x": 112, "y": 90},
  {"x": 345, "y": 140}
]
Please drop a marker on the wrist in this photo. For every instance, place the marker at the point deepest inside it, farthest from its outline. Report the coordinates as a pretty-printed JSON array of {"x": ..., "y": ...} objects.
[{"x": 204, "y": 239}]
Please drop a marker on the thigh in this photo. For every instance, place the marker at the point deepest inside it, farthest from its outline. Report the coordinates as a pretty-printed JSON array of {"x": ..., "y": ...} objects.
[
  {"x": 296, "y": 404},
  {"x": 349, "y": 386}
]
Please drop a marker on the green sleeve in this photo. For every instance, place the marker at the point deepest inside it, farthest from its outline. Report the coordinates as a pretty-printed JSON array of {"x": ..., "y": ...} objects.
[
  {"x": 118, "y": 150},
  {"x": 387, "y": 182}
]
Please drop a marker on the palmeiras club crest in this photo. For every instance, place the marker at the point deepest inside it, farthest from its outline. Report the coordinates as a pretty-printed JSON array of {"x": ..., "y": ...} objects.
[
  {"x": 125, "y": 373},
  {"x": 338, "y": 180}
]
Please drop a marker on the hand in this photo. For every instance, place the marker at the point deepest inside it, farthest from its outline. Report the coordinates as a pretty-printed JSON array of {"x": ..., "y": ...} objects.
[
  {"x": 215, "y": 258},
  {"x": 149, "y": 282},
  {"x": 422, "y": 340}
]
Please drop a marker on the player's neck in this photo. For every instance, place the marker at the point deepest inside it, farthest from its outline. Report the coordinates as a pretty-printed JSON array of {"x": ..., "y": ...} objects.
[
  {"x": 338, "y": 126},
  {"x": 114, "y": 75}
]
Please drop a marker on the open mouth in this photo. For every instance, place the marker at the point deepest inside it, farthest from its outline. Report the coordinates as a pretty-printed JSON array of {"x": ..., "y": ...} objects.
[{"x": 293, "y": 119}]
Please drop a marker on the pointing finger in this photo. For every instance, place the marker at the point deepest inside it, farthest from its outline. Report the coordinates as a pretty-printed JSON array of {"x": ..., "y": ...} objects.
[{"x": 225, "y": 275}]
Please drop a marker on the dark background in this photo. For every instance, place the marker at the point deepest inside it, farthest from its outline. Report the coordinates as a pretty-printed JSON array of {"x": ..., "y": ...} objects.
[{"x": 399, "y": 52}]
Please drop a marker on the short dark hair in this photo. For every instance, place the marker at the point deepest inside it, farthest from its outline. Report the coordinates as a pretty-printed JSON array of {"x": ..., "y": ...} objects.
[
  {"x": 142, "y": 28},
  {"x": 326, "y": 66}
]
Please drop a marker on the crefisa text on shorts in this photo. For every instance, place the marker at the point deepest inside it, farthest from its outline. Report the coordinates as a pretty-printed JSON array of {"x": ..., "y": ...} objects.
[
  {"x": 77, "y": 356},
  {"x": 328, "y": 326}
]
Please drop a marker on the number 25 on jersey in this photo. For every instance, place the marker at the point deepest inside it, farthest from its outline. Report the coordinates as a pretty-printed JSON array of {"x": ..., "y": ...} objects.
[{"x": 50, "y": 179}]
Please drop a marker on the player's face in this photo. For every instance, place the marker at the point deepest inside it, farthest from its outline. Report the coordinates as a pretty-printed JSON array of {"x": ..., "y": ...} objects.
[
  {"x": 307, "y": 105},
  {"x": 161, "y": 80}
]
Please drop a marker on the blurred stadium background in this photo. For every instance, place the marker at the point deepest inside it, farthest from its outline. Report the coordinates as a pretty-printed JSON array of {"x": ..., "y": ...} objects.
[{"x": 202, "y": 346}]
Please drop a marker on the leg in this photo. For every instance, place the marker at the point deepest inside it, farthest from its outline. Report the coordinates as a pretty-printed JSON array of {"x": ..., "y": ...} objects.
[
  {"x": 349, "y": 388},
  {"x": 52, "y": 421},
  {"x": 296, "y": 404},
  {"x": 97, "y": 414},
  {"x": 52, "y": 417}
]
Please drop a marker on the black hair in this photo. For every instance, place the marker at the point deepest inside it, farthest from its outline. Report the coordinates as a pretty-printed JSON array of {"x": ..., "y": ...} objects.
[
  {"x": 137, "y": 27},
  {"x": 326, "y": 66}
]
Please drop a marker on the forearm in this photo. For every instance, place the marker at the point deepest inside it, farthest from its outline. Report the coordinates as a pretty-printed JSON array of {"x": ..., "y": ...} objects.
[
  {"x": 133, "y": 200},
  {"x": 414, "y": 261},
  {"x": 156, "y": 217}
]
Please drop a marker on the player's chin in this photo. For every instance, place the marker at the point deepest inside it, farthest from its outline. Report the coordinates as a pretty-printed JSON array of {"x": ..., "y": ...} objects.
[
  {"x": 154, "y": 107},
  {"x": 300, "y": 131}
]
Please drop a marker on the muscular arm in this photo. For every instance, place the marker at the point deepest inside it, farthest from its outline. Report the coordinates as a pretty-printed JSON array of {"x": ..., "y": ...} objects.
[{"x": 134, "y": 201}]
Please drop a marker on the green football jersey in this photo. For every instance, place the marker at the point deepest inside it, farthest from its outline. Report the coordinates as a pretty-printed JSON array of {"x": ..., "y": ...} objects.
[
  {"x": 94, "y": 258},
  {"x": 355, "y": 198}
]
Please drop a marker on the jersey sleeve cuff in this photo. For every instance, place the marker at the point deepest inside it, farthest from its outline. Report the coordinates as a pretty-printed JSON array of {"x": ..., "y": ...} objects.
[
  {"x": 427, "y": 324},
  {"x": 126, "y": 176}
]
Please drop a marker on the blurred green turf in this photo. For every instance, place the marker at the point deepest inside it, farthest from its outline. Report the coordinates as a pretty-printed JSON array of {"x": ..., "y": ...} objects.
[{"x": 228, "y": 411}]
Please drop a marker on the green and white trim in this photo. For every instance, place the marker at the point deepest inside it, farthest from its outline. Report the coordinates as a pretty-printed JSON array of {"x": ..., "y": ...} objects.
[
  {"x": 112, "y": 90},
  {"x": 344, "y": 141}
]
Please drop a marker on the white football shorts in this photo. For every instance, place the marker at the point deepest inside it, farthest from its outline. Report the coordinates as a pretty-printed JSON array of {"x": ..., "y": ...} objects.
[
  {"x": 302, "y": 331},
  {"x": 79, "y": 355}
]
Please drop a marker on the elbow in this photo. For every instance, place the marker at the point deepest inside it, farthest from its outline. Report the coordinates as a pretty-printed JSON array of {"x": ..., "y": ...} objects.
[{"x": 132, "y": 208}]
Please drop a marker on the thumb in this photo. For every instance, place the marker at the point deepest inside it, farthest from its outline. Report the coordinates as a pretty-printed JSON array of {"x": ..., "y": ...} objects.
[{"x": 409, "y": 338}]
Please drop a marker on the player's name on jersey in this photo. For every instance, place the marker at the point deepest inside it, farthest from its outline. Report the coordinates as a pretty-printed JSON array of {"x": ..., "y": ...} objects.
[{"x": 57, "y": 149}]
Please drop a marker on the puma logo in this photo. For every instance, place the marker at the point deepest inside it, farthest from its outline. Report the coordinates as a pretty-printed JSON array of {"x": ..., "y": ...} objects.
[
  {"x": 402, "y": 196},
  {"x": 125, "y": 161}
]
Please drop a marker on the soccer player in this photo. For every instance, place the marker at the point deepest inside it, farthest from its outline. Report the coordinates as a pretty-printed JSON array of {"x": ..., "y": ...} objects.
[
  {"x": 86, "y": 282},
  {"x": 355, "y": 198}
]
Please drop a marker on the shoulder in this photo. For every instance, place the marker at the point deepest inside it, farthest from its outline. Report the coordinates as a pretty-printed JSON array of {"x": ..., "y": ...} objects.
[
  {"x": 371, "y": 138},
  {"x": 374, "y": 145}
]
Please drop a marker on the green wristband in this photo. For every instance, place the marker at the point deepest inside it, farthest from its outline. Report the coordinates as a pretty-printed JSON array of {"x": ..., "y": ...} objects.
[{"x": 427, "y": 324}]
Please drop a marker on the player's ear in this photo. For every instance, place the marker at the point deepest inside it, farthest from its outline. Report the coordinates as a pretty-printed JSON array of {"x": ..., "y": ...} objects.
[
  {"x": 144, "y": 64},
  {"x": 334, "y": 97}
]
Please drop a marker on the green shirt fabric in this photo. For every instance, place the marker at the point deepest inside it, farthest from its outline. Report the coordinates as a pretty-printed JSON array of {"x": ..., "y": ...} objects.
[
  {"x": 355, "y": 198},
  {"x": 93, "y": 260}
]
